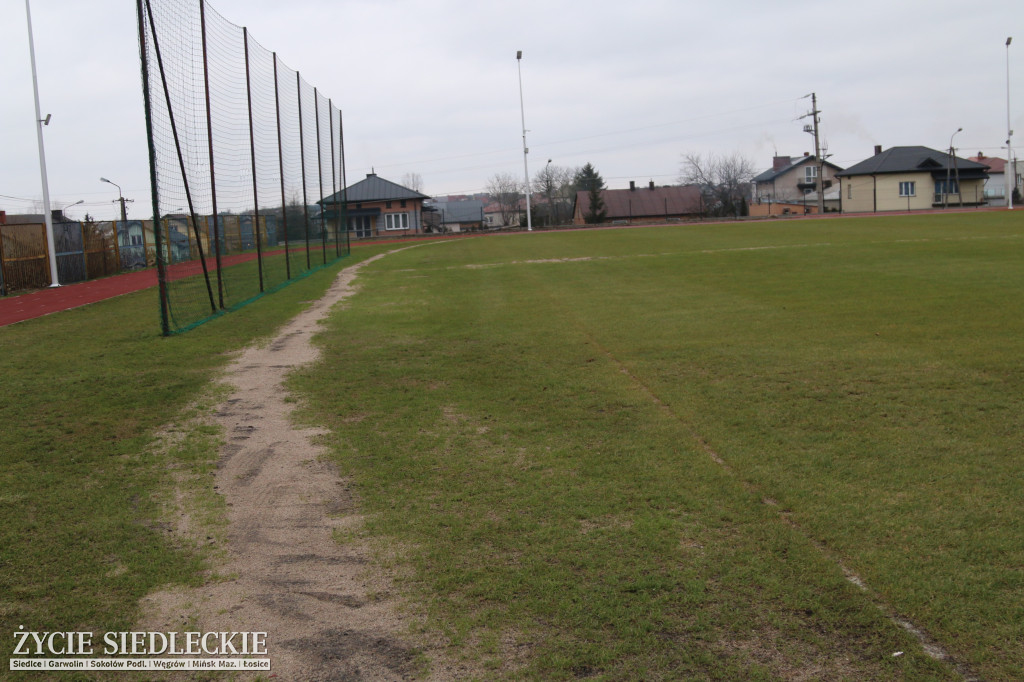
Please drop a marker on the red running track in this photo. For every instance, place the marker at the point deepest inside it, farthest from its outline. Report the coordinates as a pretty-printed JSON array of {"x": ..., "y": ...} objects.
[{"x": 45, "y": 301}]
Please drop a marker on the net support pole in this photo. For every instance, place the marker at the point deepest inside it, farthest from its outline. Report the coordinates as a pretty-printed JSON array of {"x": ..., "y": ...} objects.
[
  {"x": 334, "y": 183},
  {"x": 344, "y": 184},
  {"x": 280, "y": 165},
  {"x": 252, "y": 157},
  {"x": 213, "y": 176},
  {"x": 320, "y": 176},
  {"x": 302, "y": 157},
  {"x": 181, "y": 163},
  {"x": 161, "y": 272}
]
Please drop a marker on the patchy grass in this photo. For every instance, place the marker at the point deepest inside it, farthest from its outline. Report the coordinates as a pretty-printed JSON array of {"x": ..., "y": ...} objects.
[
  {"x": 84, "y": 480},
  {"x": 644, "y": 453}
]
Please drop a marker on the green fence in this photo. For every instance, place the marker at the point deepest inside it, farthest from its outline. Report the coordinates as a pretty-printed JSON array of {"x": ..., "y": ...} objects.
[{"x": 242, "y": 152}]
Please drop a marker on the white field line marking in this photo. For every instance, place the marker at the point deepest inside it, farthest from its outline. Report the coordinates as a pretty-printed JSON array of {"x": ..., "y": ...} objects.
[
  {"x": 930, "y": 646},
  {"x": 738, "y": 249}
]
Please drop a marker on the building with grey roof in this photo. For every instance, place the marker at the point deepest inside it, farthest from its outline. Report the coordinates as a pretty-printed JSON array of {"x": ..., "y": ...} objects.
[{"x": 911, "y": 178}]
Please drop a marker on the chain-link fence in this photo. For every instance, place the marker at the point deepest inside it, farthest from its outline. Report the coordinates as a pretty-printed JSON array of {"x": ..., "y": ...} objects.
[{"x": 243, "y": 153}]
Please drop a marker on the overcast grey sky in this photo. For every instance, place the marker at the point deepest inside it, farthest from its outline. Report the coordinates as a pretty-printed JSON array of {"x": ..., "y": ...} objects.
[{"x": 431, "y": 86}]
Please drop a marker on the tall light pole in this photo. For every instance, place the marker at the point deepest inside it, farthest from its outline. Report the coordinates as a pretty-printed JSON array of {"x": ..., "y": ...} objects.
[
  {"x": 120, "y": 194},
  {"x": 525, "y": 150},
  {"x": 40, "y": 122},
  {"x": 945, "y": 195},
  {"x": 1011, "y": 176}
]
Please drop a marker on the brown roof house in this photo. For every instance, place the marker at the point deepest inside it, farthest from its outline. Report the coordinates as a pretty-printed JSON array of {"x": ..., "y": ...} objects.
[
  {"x": 643, "y": 205},
  {"x": 376, "y": 207}
]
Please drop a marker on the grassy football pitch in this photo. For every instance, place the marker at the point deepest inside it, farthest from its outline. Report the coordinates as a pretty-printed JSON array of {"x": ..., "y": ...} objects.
[{"x": 735, "y": 451}]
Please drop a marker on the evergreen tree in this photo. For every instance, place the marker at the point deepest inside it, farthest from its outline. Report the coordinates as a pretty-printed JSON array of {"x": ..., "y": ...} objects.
[{"x": 590, "y": 181}]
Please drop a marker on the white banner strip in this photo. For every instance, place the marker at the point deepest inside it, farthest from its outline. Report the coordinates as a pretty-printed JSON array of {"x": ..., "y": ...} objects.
[{"x": 30, "y": 664}]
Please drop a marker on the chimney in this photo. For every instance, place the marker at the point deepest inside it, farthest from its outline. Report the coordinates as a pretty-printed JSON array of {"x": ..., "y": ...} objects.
[
  {"x": 632, "y": 186},
  {"x": 3, "y": 217},
  {"x": 780, "y": 162},
  {"x": 878, "y": 149},
  {"x": 650, "y": 184}
]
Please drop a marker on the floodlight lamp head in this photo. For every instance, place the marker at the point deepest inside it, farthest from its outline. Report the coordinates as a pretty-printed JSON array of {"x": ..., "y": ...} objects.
[
  {"x": 519, "y": 54},
  {"x": 105, "y": 180},
  {"x": 46, "y": 121},
  {"x": 1009, "y": 40}
]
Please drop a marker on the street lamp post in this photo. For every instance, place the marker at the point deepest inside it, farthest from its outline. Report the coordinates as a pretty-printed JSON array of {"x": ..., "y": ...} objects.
[
  {"x": 120, "y": 194},
  {"x": 949, "y": 161},
  {"x": 40, "y": 122},
  {"x": 1011, "y": 174},
  {"x": 526, "y": 150},
  {"x": 80, "y": 201}
]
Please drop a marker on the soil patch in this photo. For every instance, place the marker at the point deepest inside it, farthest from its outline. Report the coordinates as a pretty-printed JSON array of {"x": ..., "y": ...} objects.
[{"x": 329, "y": 614}]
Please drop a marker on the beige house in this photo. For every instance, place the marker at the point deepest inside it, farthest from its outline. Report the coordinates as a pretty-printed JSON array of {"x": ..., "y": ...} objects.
[
  {"x": 376, "y": 207},
  {"x": 911, "y": 178},
  {"x": 786, "y": 186}
]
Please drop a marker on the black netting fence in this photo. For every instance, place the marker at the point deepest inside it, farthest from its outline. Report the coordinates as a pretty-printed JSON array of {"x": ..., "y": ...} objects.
[{"x": 243, "y": 155}]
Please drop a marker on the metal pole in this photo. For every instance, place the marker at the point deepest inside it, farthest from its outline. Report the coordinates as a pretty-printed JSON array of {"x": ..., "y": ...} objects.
[
  {"x": 320, "y": 176},
  {"x": 280, "y": 164},
  {"x": 344, "y": 183},
  {"x": 302, "y": 160},
  {"x": 252, "y": 156},
  {"x": 819, "y": 182},
  {"x": 40, "y": 122},
  {"x": 945, "y": 194},
  {"x": 334, "y": 180},
  {"x": 155, "y": 195},
  {"x": 1011, "y": 175},
  {"x": 209, "y": 141},
  {"x": 526, "y": 150},
  {"x": 181, "y": 159}
]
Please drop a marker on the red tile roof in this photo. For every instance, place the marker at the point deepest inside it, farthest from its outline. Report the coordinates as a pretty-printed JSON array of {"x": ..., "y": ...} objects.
[{"x": 994, "y": 163}]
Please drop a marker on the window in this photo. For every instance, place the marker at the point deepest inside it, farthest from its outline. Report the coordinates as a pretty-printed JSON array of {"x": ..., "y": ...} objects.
[
  {"x": 387, "y": 204},
  {"x": 942, "y": 188},
  {"x": 908, "y": 189},
  {"x": 849, "y": 190},
  {"x": 403, "y": 203},
  {"x": 396, "y": 221},
  {"x": 810, "y": 174}
]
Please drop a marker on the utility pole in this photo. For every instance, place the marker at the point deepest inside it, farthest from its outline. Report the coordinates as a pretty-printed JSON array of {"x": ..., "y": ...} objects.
[{"x": 819, "y": 183}]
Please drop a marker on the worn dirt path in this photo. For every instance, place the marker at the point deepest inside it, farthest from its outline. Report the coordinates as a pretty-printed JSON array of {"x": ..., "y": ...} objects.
[{"x": 327, "y": 616}]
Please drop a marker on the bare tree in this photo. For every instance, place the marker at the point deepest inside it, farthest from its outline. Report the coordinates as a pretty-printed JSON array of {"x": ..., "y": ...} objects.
[
  {"x": 504, "y": 189},
  {"x": 556, "y": 184},
  {"x": 723, "y": 180},
  {"x": 413, "y": 181}
]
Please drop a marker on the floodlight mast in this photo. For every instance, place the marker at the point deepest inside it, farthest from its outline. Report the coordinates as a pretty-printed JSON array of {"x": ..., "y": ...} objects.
[
  {"x": 40, "y": 122},
  {"x": 526, "y": 150},
  {"x": 1011, "y": 176}
]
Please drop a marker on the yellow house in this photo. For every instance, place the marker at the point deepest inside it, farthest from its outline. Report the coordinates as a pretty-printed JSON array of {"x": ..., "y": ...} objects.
[{"x": 911, "y": 178}]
